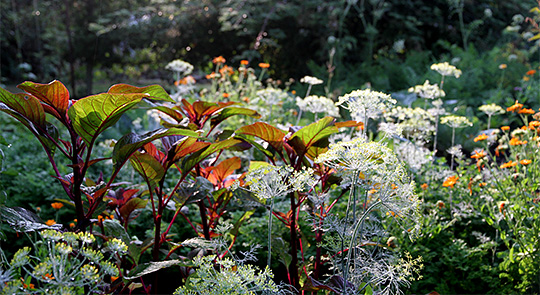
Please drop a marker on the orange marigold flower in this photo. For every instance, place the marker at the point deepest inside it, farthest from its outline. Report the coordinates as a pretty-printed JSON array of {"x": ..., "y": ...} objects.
[
  {"x": 478, "y": 155},
  {"x": 264, "y": 65},
  {"x": 525, "y": 78},
  {"x": 505, "y": 128},
  {"x": 534, "y": 124},
  {"x": 531, "y": 72},
  {"x": 482, "y": 184},
  {"x": 226, "y": 70},
  {"x": 502, "y": 66},
  {"x": 450, "y": 181},
  {"x": 502, "y": 205},
  {"x": 516, "y": 141},
  {"x": 481, "y": 137},
  {"x": 245, "y": 99},
  {"x": 516, "y": 107},
  {"x": 244, "y": 62},
  {"x": 57, "y": 205},
  {"x": 525, "y": 162},
  {"x": 508, "y": 164},
  {"x": 50, "y": 222},
  {"x": 219, "y": 60},
  {"x": 185, "y": 81},
  {"x": 211, "y": 76},
  {"x": 72, "y": 225},
  {"x": 225, "y": 95},
  {"x": 424, "y": 186},
  {"x": 526, "y": 111}
]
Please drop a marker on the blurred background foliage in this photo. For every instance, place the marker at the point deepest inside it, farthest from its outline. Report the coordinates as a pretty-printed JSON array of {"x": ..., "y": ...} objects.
[{"x": 386, "y": 43}]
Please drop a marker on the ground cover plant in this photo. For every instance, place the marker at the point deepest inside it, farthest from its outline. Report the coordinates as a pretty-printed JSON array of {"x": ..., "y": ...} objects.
[{"x": 228, "y": 181}]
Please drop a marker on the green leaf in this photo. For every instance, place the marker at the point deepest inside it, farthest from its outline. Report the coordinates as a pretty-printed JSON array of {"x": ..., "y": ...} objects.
[
  {"x": 150, "y": 267},
  {"x": 132, "y": 205},
  {"x": 148, "y": 167},
  {"x": 184, "y": 148},
  {"x": 54, "y": 94},
  {"x": 202, "y": 154},
  {"x": 266, "y": 132},
  {"x": 93, "y": 114},
  {"x": 113, "y": 228},
  {"x": 251, "y": 141},
  {"x": 229, "y": 112},
  {"x": 153, "y": 91},
  {"x": 131, "y": 142},
  {"x": 23, "y": 107},
  {"x": 303, "y": 139}
]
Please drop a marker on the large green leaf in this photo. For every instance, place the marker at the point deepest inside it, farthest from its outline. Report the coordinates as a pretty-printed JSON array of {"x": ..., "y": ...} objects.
[
  {"x": 266, "y": 132},
  {"x": 54, "y": 94},
  {"x": 229, "y": 112},
  {"x": 303, "y": 139},
  {"x": 152, "y": 91},
  {"x": 131, "y": 142},
  {"x": 185, "y": 147},
  {"x": 93, "y": 114},
  {"x": 252, "y": 141},
  {"x": 148, "y": 167}
]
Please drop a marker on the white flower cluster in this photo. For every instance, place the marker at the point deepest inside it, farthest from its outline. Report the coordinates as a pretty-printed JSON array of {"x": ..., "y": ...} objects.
[
  {"x": 269, "y": 181},
  {"x": 417, "y": 123},
  {"x": 456, "y": 121},
  {"x": 311, "y": 80},
  {"x": 427, "y": 90},
  {"x": 446, "y": 69},
  {"x": 272, "y": 96},
  {"x": 180, "y": 66},
  {"x": 491, "y": 109},
  {"x": 415, "y": 156},
  {"x": 365, "y": 104},
  {"x": 318, "y": 104}
]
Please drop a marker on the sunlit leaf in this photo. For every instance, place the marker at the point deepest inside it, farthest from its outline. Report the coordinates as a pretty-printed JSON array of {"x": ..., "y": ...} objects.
[
  {"x": 54, "y": 94},
  {"x": 152, "y": 91},
  {"x": 229, "y": 112},
  {"x": 308, "y": 136},
  {"x": 202, "y": 154},
  {"x": 150, "y": 267},
  {"x": 148, "y": 167},
  {"x": 224, "y": 169},
  {"x": 93, "y": 114},
  {"x": 131, "y": 142},
  {"x": 266, "y": 132}
]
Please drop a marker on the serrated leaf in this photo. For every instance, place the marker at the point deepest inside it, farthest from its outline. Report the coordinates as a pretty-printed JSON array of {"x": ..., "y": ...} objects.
[
  {"x": 54, "y": 94},
  {"x": 150, "y": 267},
  {"x": 93, "y": 114},
  {"x": 229, "y": 112},
  {"x": 131, "y": 142},
  {"x": 266, "y": 132},
  {"x": 148, "y": 167},
  {"x": 152, "y": 91}
]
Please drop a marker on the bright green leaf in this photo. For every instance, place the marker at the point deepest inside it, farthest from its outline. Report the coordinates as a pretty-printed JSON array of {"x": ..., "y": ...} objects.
[
  {"x": 54, "y": 94},
  {"x": 152, "y": 91},
  {"x": 229, "y": 112},
  {"x": 266, "y": 132},
  {"x": 148, "y": 167}
]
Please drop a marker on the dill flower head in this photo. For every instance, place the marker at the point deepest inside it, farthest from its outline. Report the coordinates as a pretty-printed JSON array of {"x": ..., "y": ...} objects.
[
  {"x": 491, "y": 109},
  {"x": 365, "y": 104},
  {"x": 318, "y": 104},
  {"x": 456, "y": 121},
  {"x": 180, "y": 66},
  {"x": 311, "y": 80},
  {"x": 428, "y": 91},
  {"x": 272, "y": 96},
  {"x": 446, "y": 69},
  {"x": 269, "y": 181}
]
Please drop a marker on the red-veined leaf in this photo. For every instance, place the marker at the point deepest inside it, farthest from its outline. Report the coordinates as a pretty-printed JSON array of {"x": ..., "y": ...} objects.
[
  {"x": 350, "y": 123},
  {"x": 148, "y": 167},
  {"x": 55, "y": 94},
  {"x": 130, "y": 206},
  {"x": 93, "y": 114},
  {"x": 266, "y": 132},
  {"x": 229, "y": 112},
  {"x": 195, "y": 158},
  {"x": 225, "y": 168},
  {"x": 131, "y": 142},
  {"x": 152, "y": 91},
  {"x": 187, "y": 146},
  {"x": 308, "y": 136}
]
